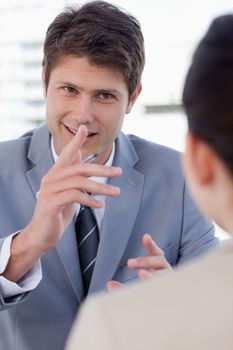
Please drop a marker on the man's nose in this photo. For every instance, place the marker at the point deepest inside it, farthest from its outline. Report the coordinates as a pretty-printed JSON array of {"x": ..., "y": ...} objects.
[{"x": 84, "y": 110}]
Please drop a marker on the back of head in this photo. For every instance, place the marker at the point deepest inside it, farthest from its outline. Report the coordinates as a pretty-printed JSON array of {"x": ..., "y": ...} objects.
[
  {"x": 208, "y": 90},
  {"x": 101, "y": 32}
]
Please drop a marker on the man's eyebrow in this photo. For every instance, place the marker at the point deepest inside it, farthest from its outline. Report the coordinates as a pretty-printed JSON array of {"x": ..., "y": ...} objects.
[
  {"x": 66, "y": 83},
  {"x": 107, "y": 91}
]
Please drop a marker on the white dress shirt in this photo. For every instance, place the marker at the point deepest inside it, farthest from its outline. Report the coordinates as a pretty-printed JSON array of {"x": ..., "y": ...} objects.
[{"x": 32, "y": 278}]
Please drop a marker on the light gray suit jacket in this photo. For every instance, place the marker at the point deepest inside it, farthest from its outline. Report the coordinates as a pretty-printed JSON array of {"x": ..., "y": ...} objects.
[
  {"x": 189, "y": 309},
  {"x": 153, "y": 199}
]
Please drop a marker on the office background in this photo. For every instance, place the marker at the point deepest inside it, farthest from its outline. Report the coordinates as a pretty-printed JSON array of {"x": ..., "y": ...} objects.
[{"x": 171, "y": 31}]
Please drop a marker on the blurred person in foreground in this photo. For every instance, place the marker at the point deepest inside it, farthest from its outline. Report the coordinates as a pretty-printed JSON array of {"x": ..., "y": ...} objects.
[
  {"x": 191, "y": 308},
  {"x": 92, "y": 66}
]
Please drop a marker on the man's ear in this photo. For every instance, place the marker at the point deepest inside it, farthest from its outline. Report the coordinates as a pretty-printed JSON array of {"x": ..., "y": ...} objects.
[
  {"x": 134, "y": 98},
  {"x": 199, "y": 159},
  {"x": 43, "y": 81}
]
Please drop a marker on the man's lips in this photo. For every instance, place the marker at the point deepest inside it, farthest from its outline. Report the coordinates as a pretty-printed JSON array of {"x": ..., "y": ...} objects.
[{"x": 74, "y": 131}]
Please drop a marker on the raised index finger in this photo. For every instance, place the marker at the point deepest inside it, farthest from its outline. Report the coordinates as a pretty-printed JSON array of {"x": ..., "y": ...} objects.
[
  {"x": 72, "y": 151},
  {"x": 151, "y": 247}
]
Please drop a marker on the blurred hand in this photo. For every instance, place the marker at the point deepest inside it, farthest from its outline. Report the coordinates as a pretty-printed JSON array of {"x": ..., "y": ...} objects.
[
  {"x": 154, "y": 262},
  {"x": 148, "y": 265},
  {"x": 114, "y": 285}
]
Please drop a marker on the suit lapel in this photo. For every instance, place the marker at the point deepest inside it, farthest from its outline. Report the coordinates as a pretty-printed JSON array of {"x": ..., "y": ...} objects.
[
  {"x": 41, "y": 156},
  {"x": 68, "y": 253},
  {"x": 120, "y": 215}
]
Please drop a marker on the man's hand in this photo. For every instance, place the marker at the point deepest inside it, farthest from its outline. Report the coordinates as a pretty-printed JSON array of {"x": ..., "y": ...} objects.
[
  {"x": 154, "y": 262},
  {"x": 148, "y": 265},
  {"x": 66, "y": 184}
]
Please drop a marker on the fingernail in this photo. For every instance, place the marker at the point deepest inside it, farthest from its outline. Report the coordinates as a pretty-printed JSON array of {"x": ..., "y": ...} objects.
[
  {"x": 132, "y": 262},
  {"x": 117, "y": 190}
]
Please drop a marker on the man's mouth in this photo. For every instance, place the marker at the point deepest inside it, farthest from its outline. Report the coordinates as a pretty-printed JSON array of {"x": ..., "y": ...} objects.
[{"x": 74, "y": 131}]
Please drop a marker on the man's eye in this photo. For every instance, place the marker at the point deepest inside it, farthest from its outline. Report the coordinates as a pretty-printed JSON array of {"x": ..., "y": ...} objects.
[
  {"x": 69, "y": 89},
  {"x": 106, "y": 96}
]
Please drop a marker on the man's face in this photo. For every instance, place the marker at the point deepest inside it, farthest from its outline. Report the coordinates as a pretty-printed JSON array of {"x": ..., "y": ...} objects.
[{"x": 80, "y": 93}]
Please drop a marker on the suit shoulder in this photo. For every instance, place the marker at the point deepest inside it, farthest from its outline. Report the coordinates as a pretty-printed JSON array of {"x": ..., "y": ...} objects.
[
  {"x": 156, "y": 153},
  {"x": 143, "y": 144},
  {"x": 14, "y": 155},
  {"x": 15, "y": 146}
]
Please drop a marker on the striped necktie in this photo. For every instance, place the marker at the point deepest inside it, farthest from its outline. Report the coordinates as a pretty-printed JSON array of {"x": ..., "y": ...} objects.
[{"x": 87, "y": 234}]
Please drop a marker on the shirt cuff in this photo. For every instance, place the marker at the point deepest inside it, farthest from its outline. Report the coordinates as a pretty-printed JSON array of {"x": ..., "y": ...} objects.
[{"x": 27, "y": 283}]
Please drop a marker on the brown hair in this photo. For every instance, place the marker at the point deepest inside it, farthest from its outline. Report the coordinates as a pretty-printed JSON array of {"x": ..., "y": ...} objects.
[
  {"x": 208, "y": 90},
  {"x": 103, "y": 33}
]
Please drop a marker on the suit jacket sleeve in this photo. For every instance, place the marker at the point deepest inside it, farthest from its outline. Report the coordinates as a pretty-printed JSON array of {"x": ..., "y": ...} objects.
[
  {"x": 11, "y": 293},
  {"x": 198, "y": 233}
]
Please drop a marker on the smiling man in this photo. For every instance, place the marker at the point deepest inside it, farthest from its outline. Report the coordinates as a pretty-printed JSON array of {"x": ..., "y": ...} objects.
[
  {"x": 68, "y": 226},
  {"x": 80, "y": 92}
]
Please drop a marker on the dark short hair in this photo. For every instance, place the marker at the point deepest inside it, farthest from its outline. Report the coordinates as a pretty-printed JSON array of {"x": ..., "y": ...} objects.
[
  {"x": 208, "y": 89},
  {"x": 103, "y": 33}
]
